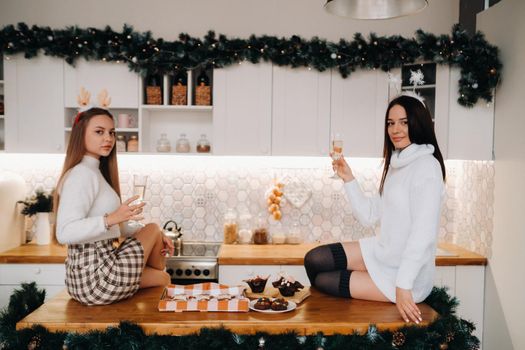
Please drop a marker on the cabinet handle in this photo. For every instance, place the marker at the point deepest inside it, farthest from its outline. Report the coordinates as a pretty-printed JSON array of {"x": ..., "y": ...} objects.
[
  {"x": 38, "y": 271},
  {"x": 59, "y": 147}
]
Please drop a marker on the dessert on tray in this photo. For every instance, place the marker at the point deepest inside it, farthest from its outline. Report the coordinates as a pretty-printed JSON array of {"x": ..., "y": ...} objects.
[
  {"x": 204, "y": 297},
  {"x": 257, "y": 284},
  {"x": 287, "y": 285}
]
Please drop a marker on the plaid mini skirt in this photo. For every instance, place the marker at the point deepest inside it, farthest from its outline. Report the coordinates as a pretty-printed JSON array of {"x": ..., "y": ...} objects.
[{"x": 99, "y": 274}]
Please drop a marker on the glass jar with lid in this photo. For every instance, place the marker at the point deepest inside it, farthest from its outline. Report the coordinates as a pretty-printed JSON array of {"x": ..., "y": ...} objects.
[
  {"x": 278, "y": 235},
  {"x": 163, "y": 144},
  {"x": 245, "y": 228},
  {"x": 203, "y": 145},
  {"x": 260, "y": 233},
  {"x": 121, "y": 143},
  {"x": 230, "y": 227},
  {"x": 133, "y": 144},
  {"x": 183, "y": 144},
  {"x": 295, "y": 236}
]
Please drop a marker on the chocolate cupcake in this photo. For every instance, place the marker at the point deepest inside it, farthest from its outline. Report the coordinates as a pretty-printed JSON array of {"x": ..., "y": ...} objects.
[
  {"x": 257, "y": 284},
  {"x": 263, "y": 304},
  {"x": 287, "y": 286}
]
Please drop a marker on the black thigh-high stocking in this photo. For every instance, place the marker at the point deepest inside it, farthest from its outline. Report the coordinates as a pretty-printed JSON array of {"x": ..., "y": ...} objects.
[
  {"x": 336, "y": 283},
  {"x": 325, "y": 258}
]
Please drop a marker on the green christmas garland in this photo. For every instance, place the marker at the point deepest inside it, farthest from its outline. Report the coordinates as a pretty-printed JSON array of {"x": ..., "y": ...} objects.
[
  {"x": 478, "y": 60},
  {"x": 446, "y": 332}
]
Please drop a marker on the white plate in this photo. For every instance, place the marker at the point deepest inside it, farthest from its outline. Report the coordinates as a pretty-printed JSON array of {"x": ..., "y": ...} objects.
[{"x": 291, "y": 306}]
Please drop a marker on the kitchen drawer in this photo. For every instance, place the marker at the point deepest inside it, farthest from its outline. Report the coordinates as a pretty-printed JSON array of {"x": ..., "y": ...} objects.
[{"x": 42, "y": 274}]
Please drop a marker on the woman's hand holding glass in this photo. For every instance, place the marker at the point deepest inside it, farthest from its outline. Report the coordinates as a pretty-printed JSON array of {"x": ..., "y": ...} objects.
[
  {"x": 126, "y": 211},
  {"x": 342, "y": 169},
  {"x": 406, "y": 306}
]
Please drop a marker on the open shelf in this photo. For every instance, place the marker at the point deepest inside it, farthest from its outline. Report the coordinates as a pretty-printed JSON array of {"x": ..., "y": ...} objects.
[{"x": 176, "y": 108}]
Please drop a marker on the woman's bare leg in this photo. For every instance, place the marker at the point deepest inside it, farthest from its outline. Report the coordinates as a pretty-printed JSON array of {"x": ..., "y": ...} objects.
[
  {"x": 150, "y": 236},
  {"x": 362, "y": 287},
  {"x": 152, "y": 278},
  {"x": 354, "y": 257}
]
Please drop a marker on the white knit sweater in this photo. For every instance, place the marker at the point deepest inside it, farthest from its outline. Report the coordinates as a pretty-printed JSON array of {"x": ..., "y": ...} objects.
[
  {"x": 403, "y": 254},
  {"x": 85, "y": 196}
]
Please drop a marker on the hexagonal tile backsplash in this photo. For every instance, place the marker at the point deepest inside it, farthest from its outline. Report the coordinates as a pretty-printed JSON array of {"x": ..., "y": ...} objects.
[{"x": 196, "y": 192}]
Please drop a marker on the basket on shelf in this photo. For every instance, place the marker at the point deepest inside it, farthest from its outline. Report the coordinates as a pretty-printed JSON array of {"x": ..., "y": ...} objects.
[
  {"x": 153, "y": 95},
  {"x": 203, "y": 95},
  {"x": 179, "y": 95}
]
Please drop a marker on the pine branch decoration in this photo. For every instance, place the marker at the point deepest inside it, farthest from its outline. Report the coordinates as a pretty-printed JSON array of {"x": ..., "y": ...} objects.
[{"x": 478, "y": 60}]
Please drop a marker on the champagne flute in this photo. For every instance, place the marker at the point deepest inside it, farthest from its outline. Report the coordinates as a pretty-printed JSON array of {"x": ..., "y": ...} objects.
[
  {"x": 139, "y": 189},
  {"x": 337, "y": 151}
]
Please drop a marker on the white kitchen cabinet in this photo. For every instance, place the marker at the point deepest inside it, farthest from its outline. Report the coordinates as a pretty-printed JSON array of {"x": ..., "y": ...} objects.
[
  {"x": 300, "y": 112},
  {"x": 47, "y": 276},
  {"x": 242, "y": 109},
  {"x": 358, "y": 105},
  {"x": 121, "y": 84},
  {"x": 467, "y": 284},
  {"x": 471, "y": 130},
  {"x": 462, "y": 133},
  {"x": 470, "y": 291},
  {"x": 34, "y": 93}
]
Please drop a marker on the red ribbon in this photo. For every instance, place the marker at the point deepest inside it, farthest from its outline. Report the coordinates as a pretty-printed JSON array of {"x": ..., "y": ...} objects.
[{"x": 77, "y": 118}]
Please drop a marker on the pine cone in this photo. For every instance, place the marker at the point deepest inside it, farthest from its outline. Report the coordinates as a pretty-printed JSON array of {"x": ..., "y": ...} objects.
[
  {"x": 34, "y": 343},
  {"x": 449, "y": 337},
  {"x": 398, "y": 339}
]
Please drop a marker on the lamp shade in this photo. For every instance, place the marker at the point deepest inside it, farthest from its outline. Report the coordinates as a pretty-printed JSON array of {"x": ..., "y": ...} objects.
[{"x": 374, "y": 9}]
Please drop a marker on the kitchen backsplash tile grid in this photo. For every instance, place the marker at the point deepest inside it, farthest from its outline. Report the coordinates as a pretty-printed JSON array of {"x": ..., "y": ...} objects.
[{"x": 197, "y": 195}]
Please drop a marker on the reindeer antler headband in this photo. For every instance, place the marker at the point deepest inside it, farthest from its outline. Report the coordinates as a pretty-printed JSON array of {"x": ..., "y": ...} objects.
[{"x": 83, "y": 100}]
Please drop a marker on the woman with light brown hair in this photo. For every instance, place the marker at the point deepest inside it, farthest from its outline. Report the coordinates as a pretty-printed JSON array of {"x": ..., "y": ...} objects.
[{"x": 91, "y": 217}]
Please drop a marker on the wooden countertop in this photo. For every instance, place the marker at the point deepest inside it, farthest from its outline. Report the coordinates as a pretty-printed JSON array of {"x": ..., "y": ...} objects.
[
  {"x": 232, "y": 254},
  {"x": 346, "y": 316},
  {"x": 286, "y": 254},
  {"x": 35, "y": 254}
]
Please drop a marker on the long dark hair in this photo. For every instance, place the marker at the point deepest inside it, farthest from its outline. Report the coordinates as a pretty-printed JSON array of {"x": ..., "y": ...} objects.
[
  {"x": 420, "y": 131},
  {"x": 76, "y": 149}
]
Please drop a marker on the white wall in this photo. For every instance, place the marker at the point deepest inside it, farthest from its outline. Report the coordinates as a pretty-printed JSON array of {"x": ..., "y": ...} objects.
[
  {"x": 505, "y": 280},
  {"x": 167, "y": 18}
]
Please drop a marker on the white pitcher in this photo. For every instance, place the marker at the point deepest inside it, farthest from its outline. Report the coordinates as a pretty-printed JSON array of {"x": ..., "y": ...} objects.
[{"x": 42, "y": 229}]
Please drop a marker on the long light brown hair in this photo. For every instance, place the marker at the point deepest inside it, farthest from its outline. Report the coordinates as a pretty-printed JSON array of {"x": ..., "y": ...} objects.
[
  {"x": 76, "y": 149},
  {"x": 420, "y": 131}
]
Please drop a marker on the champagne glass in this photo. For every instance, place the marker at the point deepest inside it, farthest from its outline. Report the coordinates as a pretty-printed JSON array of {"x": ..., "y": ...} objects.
[
  {"x": 139, "y": 189},
  {"x": 337, "y": 151}
]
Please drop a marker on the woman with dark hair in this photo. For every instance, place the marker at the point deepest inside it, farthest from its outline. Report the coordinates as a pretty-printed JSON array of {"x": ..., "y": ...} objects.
[
  {"x": 398, "y": 265},
  {"x": 89, "y": 213}
]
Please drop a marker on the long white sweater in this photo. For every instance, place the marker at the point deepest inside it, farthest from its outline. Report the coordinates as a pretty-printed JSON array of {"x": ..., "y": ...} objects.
[
  {"x": 85, "y": 196},
  {"x": 403, "y": 254}
]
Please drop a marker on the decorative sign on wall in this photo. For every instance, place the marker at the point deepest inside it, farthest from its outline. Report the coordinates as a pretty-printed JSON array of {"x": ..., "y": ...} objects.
[{"x": 478, "y": 60}]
